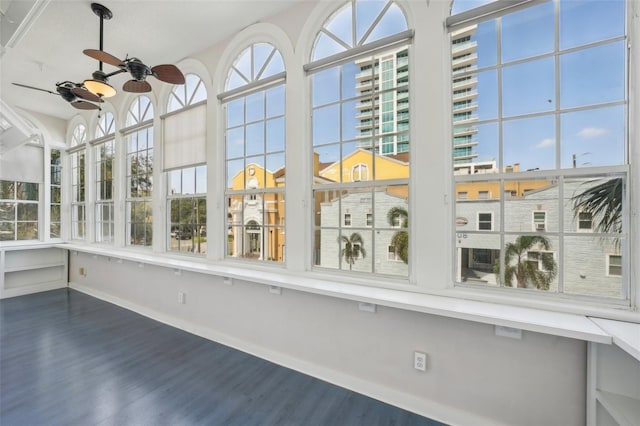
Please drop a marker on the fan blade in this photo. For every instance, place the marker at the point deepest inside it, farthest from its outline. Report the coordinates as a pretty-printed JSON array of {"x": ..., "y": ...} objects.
[
  {"x": 103, "y": 57},
  {"x": 84, "y": 105},
  {"x": 134, "y": 86},
  {"x": 168, "y": 73},
  {"x": 35, "y": 88},
  {"x": 83, "y": 93}
]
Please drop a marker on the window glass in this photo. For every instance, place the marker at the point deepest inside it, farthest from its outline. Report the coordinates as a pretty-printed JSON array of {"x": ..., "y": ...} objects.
[
  {"x": 18, "y": 210},
  {"x": 255, "y": 158},
  {"x": 139, "y": 174},
  {"x": 534, "y": 99},
  {"x": 361, "y": 142}
]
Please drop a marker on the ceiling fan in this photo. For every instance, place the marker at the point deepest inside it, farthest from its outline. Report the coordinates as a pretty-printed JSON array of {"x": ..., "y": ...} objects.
[
  {"x": 74, "y": 93},
  {"x": 139, "y": 70}
]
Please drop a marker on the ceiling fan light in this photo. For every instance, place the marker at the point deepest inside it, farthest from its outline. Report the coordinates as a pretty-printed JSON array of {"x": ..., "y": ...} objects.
[{"x": 100, "y": 88}]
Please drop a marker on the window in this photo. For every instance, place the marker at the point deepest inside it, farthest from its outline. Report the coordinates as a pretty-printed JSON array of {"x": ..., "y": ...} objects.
[
  {"x": 483, "y": 195},
  {"x": 485, "y": 221},
  {"x": 545, "y": 105},
  {"x": 585, "y": 222},
  {"x": 392, "y": 254},
  {"x": 360, "y": 137},
  {"x": 255, "y": 154},
  {"x": 541, "y": 260},
  {"x": 18, "y": 210},
  {"x": 187, "y": 204},
  {"x": 369, "y": 219},
  {"x": 139, "y": 172},
  {"x": 77, "y": 160},
  {"x": 56, "y": 195},
  {"x": 614, "y": 265},
  {"x": 104, "y": 155},
  {"x": 462, "y": 195},
  {"x": 539, "y": 220},
  {"x": 185, "y": 167},
  {"x": 360, "y": 172}
]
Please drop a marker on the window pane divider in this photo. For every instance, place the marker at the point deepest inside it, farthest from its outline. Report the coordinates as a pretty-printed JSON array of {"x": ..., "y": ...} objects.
[
  {"x": 262, "y": 84},
  {"x": 102, "y": 139},
  {"x": 76, "y": 148},
  {"x": 488, "y": 11},
  {"x": 137, "y": 126},
  {"x": 365, "y": 49},
  {"x": 188, "y": 107},
  {"x": 368, "y": 184},
  {"x": 591, "y": 172}
]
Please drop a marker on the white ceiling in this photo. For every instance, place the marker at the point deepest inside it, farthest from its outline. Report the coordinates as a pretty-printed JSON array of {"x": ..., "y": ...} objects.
[{"x": 157, "y": 32}]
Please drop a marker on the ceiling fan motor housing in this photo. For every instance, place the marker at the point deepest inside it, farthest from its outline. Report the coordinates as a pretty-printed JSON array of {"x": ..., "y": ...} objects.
[
  {"x": 139, "y": 71},
  {"x": 65, "y": 91}
]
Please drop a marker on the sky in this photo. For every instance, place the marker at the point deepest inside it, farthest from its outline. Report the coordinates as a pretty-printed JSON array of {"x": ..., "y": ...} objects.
[{"x": 544, "y": 119}]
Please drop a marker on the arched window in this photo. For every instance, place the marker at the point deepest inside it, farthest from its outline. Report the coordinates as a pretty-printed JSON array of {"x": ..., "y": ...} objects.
[
  {"x": 185, "y": 166},
  {"x": 254, "y": 104},
  {"x": 104, "y": 158},
  {"x": 359, "y": 74},
  {"x": 77, "y": 161},
  {"x": 540, "y": 125},
  {"x": 139, "y": 172}
]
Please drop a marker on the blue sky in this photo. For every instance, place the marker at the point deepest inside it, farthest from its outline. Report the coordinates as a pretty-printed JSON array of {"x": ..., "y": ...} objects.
[{"x": 587, "y": 77}]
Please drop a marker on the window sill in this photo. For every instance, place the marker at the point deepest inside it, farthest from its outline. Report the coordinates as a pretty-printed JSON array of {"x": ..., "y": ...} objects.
[{"x": 451, "y": 305}]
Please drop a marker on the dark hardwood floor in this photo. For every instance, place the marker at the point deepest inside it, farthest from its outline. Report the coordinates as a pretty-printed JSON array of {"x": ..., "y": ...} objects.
[{"x": 70, "y": 359}]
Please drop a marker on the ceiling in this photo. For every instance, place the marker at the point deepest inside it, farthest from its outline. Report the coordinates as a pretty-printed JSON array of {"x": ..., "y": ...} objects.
[{"x": 43, "y": 40}]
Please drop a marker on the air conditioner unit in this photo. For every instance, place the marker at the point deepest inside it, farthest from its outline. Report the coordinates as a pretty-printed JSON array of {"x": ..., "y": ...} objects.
[{"x": 539, "y": 226}]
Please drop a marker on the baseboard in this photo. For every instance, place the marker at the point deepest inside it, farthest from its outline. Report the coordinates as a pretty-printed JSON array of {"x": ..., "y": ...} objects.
[
  {"x": 433, "y": 410},
  {"x": 30, "y": 289}
]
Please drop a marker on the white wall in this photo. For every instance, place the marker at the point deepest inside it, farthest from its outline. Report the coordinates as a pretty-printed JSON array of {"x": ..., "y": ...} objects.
[{"x": 473, "y": 376}]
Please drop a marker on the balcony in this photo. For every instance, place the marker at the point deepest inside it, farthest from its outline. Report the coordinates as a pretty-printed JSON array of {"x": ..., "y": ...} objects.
[
  {"x": 471, "y": 94},
  {"x": 464, "y": 61},
  {"x": 465, "y": 121},
  {"x": 465, "y": 107},
  {"x": 464, "y": 48},
  {"x": 467, "y": 83},
  {"x": 464, "y": 131},
  {"x": 465, "y": 143}
]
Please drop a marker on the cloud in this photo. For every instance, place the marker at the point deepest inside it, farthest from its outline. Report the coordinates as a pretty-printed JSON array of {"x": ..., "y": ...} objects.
[
  {"x": 591, "y": 132},
  {"x": 545, "y": 143}
]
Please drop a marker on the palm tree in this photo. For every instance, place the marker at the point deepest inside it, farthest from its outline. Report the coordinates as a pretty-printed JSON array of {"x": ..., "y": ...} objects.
[
  {"x": 400, "y": 239},
  {"x": 604, "y": 202},
  {"x": 352, "y": 248},
  {"x": 518, "y": 263}
]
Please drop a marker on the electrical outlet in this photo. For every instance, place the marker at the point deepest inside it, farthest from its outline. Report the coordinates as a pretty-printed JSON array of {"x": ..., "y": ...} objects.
[
  {"x": 510, "y": 332},
  {"x": 82, "y": 272},
  {"x": 182, "y": 298},
  {"x": 420, "y": 361},
  {"x": 367, "y": 307},
  {"x": 274, "y": 289}
]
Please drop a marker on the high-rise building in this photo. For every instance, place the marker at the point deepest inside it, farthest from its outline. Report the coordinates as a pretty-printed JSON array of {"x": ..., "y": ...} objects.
[
  {"x": 387, "y": 114},
  {"x": 465, "y": 94}
]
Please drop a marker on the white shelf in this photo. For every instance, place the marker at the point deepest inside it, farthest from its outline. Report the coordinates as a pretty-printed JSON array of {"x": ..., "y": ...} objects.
[
  {"x": 625, "y": 410},
  {"x": 626, "y": 335},
  {"x": 32, "y": 267}
]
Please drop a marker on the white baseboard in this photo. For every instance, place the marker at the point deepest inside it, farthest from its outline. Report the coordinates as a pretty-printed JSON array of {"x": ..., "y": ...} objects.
[
  {"x": 433, "y": 410},
  {"x": 30, "y": 289}
]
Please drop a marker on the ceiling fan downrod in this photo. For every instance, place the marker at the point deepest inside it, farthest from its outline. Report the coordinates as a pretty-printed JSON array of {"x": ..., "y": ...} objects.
[{"x": 104, "y": 13}]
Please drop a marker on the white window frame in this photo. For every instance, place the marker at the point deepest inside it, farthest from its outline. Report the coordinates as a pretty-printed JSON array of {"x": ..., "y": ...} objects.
[
  {"x": 608, "y": 264},
  {"x": 490, "y": 222},
  {"x": 535, "y": 223}
]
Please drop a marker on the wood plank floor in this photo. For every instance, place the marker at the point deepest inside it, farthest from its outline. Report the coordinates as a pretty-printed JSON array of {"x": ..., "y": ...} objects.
[{"x": 70, "y": 359}]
